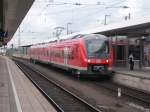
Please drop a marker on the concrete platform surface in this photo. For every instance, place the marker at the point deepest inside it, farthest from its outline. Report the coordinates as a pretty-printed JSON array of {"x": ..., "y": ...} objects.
[
  {"x": 4, "y": 87},
  {"x": 17, "y": 93},
  {"x": 140, "y": 73},
  {"x": 138, "y": 78}
]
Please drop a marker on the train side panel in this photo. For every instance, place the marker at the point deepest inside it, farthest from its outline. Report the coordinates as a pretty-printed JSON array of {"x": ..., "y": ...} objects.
[{"x": 72, "y": 55}]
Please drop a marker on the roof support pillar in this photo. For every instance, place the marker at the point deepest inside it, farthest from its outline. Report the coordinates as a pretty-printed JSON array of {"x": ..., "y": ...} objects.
[{"x": 141, "y": 52}]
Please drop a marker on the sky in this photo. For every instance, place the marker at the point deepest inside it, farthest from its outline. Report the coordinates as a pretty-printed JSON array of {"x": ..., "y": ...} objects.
[{"x": 45, "y": 16}]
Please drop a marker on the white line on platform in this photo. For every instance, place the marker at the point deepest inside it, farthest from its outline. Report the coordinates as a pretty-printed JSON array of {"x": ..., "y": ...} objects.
[{"x": 14, "y": 90}]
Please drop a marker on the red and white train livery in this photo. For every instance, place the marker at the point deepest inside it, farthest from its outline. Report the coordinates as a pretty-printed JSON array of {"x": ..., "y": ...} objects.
[{"x": 88, "y": 55}]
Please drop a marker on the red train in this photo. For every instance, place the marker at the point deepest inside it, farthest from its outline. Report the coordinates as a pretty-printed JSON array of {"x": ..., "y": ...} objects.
[{"x": 88, "y": 55}]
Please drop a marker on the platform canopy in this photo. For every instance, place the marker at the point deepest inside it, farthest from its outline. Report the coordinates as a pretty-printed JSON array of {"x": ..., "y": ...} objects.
[
  {"x": 131, "y": 28},
  {"x": 12, "y": 13}
]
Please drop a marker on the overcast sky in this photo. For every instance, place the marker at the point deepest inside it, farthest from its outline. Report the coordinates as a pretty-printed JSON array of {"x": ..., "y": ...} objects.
[{"x": 45, "y": 15}]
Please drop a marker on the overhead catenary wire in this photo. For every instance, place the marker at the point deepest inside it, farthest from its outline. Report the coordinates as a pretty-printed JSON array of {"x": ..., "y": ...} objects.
[
  {"x": 79, "y": 4},
  {"x": 83, "y": 6},
  {"x": 105, "y": 8}
]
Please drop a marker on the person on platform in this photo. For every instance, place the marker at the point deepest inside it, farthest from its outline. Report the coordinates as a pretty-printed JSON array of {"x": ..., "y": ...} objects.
[{"x": 131, "y": 61}]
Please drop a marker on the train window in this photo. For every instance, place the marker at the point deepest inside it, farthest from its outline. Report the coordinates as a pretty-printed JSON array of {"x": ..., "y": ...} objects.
[
  {"x": 62, "y": 53},
  {"x": 97, "y": 48},
  {"x": 76, "y": 48},
  {"x": 72, "y": 54}
]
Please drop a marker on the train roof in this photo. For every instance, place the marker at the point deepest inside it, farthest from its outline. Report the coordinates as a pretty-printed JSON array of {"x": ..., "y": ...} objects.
[
  {"x": 69, "y": 37},
  {"x": 40, "y": 45},
  {"x": 95, "y": 36}
]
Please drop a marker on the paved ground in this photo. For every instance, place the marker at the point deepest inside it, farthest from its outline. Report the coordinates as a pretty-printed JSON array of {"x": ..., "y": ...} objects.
[
  {"x": 141, "y": 73},
  {"x": 17, "y": 93},
  {"x": 4, "y": 87}
]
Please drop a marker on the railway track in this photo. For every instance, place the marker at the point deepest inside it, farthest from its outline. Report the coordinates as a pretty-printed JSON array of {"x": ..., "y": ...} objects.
[
  {"x": 138, "y": 95},
  {"x": 62, "y": 99}
]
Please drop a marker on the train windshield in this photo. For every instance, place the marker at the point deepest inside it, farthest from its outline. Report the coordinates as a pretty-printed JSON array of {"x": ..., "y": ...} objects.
[{"x": 97, "y": 47}]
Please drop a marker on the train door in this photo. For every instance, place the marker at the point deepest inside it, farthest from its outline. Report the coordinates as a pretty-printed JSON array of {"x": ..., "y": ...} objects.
[
  {"x": 77, "y": 55},
  {"x": 66, "y": 51},
  {"x": 49, "y": 53}
]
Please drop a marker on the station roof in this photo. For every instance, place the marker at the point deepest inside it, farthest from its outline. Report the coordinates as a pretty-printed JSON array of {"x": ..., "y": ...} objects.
[
  {"x": 131, "y": 28},
  {"x": 12, "y": 13}
]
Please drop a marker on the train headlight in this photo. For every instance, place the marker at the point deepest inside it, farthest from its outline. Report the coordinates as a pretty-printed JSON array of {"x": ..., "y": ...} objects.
[
  {"x": 107, "y": 60},
  {"x": 89, "y": 60}
]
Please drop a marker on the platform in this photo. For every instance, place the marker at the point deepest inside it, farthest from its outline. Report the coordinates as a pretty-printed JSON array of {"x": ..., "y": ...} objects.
[
  {"x": 141, "y": 73},
  {"x": 17, "y": 93},
  {"x": 137, "y": 78}
]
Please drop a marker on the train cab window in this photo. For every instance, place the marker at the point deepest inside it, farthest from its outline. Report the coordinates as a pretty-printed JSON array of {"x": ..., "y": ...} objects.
[{"x": 97, "y": 48}]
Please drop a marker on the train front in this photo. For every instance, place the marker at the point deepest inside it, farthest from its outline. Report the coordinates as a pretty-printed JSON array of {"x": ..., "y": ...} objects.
[{"x": 99, "y": 55}]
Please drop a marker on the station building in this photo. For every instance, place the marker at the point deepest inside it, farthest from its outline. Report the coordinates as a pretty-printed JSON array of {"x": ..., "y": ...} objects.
[{"x": 124, "y": 46}]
